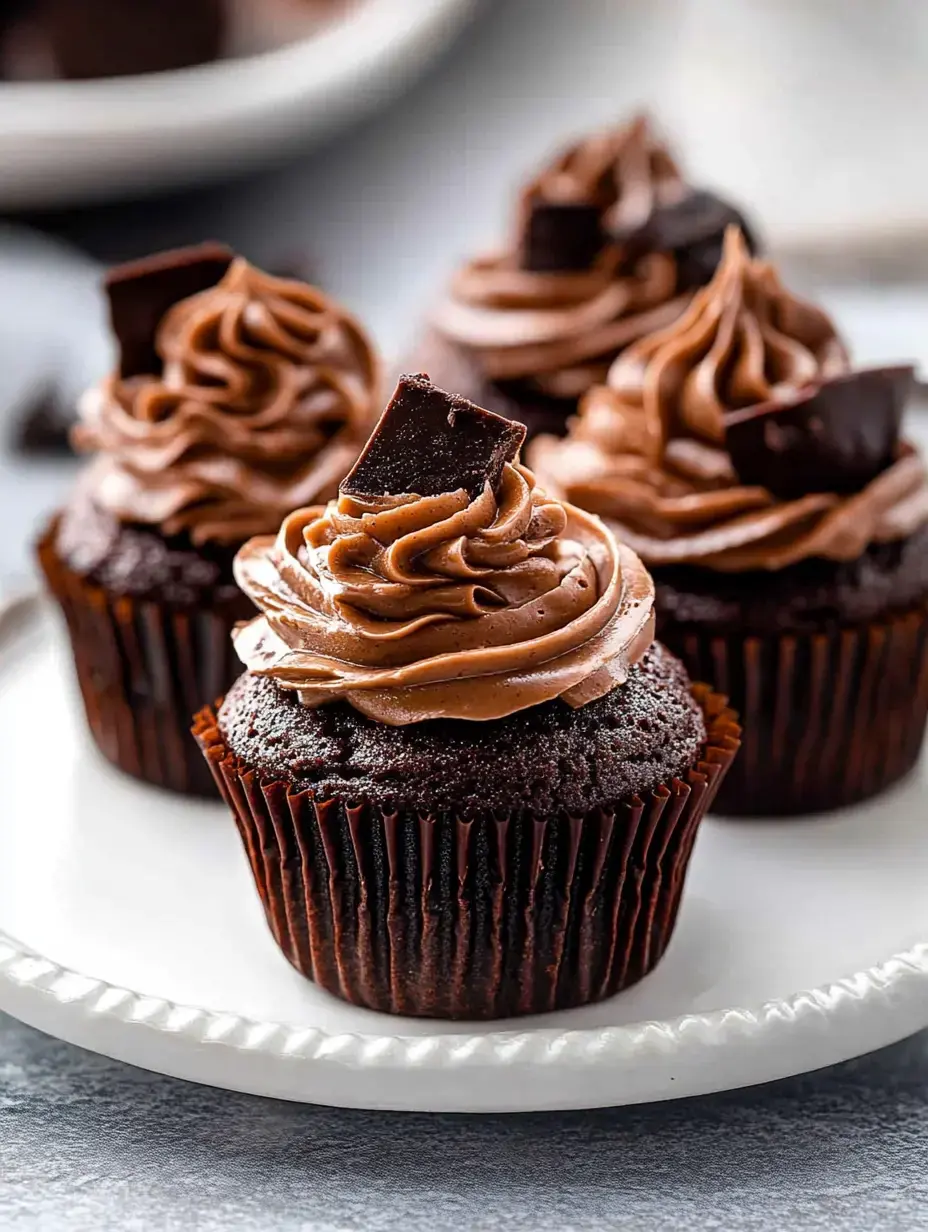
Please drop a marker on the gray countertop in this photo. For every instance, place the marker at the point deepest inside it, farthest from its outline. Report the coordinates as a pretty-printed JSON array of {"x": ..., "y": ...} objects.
[{"x": 88, "y": 1143}]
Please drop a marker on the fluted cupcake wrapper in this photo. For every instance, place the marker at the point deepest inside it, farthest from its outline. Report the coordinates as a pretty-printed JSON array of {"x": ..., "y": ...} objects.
[
  {"x": 829, "y": 718},
  {"x": 143, "y": 668},
  {"x": 470, "y": 917}
]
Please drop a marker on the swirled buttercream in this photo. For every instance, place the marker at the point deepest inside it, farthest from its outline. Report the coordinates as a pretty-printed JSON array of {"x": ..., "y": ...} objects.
[
  {"x": 647, "y": 451},
  {"x": 414, "y": 608},
  {"x": 558, "y": 331},
  {"x": 267, "y": 393}
]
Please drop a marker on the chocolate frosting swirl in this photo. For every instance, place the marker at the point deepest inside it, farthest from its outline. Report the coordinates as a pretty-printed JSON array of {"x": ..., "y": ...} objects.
[
  {"x": 628, "y": 172},
  {"x": 559, "y": 331},
  {"x": 647, "y": 451},
  {"x": 414, "y": 608},
  {"x": 267, "y": 394}
]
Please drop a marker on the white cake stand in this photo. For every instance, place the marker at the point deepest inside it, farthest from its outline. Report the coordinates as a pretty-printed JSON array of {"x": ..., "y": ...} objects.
[{"x": 129, "y": 925}]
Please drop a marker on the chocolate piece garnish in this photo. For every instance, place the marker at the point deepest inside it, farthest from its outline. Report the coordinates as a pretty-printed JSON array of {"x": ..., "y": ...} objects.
[
  {"x": 693, "y": 230},
  {"x": 142, "y": 292},
  {"x": 429, "y": 442},
  {"x": 560, "y": 236},
  {"x": 833, "y": 437}
]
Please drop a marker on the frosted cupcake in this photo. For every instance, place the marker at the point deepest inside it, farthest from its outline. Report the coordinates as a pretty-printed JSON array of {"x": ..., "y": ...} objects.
[
  {"x": 467, "y": 780},
  {"x": 764, "y": 481},
  {"x": 237, "y": 397}
]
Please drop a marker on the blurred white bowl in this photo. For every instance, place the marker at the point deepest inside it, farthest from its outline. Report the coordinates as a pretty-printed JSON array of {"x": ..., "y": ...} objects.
[{"x": 64, "y": 142}]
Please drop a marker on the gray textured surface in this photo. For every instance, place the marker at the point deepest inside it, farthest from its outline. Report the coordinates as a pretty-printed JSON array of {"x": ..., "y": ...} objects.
[{"x": 87, "y": 1143}]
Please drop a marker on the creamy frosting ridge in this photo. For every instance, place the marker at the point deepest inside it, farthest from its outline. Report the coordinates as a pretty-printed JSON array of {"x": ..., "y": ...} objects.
[
  {"x": 559, "y": 331},
  {"x": 628, "y": 172},
  {"x": 647, "y": 451},
  {"x": 267, "y": 394},
  {"x": 413, "y": 608}
]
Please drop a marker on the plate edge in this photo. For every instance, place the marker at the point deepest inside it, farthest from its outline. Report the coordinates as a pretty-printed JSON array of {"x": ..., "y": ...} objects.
[{"x": 899, "y": 979}]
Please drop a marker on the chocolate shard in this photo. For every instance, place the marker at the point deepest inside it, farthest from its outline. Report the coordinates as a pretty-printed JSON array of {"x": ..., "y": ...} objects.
[
  {"x": 560, "y": 237},
  {"x": 693, "y": 230},
  {"x": 142, "y": 292},
  {"x": 429, "y": 442},
  {"x": 835, "y": 436}
]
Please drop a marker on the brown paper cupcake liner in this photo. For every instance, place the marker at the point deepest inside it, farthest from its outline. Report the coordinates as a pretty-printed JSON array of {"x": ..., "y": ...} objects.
[
  {"x": 470, "y": 917},
  {"x": 829, "y": 719},
  {"x": 143, "y": 669}
]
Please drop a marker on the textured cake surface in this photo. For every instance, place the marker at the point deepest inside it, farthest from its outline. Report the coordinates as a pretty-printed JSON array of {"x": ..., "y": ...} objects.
[
  {"x": 805, "y": 597},
  {"x": 546, "y": 759},
  {"x": 127, "y": 559}
]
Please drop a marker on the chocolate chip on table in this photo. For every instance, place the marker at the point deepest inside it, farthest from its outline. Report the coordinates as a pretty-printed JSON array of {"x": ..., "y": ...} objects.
[
  {"x": 429, "y": 442},
  {"x": 141, "y": 293},
  {"x": 43, "y": 424},
  {"x": 835, "y": 436}
]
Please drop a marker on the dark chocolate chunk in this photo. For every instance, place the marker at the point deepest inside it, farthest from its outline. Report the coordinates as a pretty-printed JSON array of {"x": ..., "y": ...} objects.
[
  {"x": 833, "y": 437},
  {"x": 561, "y": 236},
  {"x": 457, "y": 368},
  {"x": 429, "y": 442},
  {"x": 142, "y": 292},
  {"x": 43, "y": 426},
  {"x": 693, "y": 230}
]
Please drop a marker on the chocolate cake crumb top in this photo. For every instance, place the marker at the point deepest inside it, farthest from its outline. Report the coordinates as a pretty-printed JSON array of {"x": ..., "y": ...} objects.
[{"x": 546, "y": 759}]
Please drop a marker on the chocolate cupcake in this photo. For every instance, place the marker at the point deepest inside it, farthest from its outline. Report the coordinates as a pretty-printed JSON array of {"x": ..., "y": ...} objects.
[
  {"x": 764, "y": 482},
  {"x": 610, "y": 244},
  {"x": 467, "y": 781},
  {"x": 238, "y": 397}
]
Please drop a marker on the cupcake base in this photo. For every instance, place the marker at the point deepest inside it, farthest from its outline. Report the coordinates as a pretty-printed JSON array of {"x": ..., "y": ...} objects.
[
  {"x": 144, "y": 666},
  {"x": 830, "y": 719},
  {"x": 472, "y": 916}
]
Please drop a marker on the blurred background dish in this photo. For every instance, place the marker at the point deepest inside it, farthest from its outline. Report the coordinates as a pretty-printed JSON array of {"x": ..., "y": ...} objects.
[{"x": 64, "y": 141}]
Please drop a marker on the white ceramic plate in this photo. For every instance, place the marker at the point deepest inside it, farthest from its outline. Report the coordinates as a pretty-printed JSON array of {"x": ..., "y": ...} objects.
[
  {"x": 62, "y": 142},
  {"x": 138, "y": 934}
]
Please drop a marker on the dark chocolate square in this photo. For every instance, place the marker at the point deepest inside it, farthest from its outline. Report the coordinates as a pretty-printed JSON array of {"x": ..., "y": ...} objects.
[
  {"x": 560, "y": 237},
  {"x": 142, "y": 292},
  {"x": 832, "y": 437},
  {"x": 693, "y": 231},
  {"x": 429, "y": 442}
]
